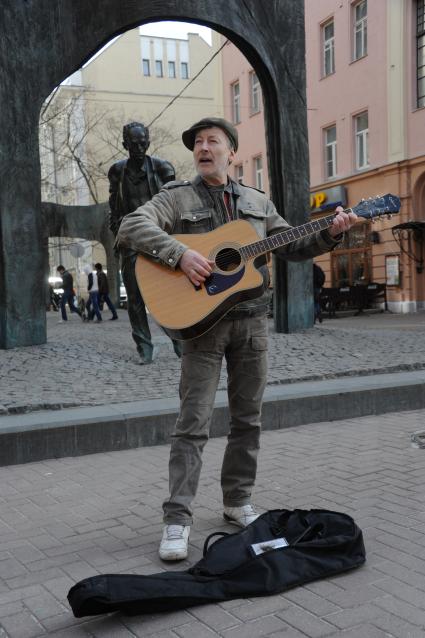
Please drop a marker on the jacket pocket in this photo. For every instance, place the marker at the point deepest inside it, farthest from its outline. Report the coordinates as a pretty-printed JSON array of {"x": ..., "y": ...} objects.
[{"x": 196, "y": 221}]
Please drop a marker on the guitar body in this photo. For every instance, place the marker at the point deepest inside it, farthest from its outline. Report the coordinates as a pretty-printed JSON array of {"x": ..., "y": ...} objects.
[{"x": 186, "y": 312}]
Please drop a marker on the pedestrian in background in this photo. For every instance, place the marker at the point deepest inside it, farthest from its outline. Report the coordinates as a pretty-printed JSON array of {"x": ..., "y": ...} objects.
[
  {"x": 319, "y": 278},
  {"x": 92, "y": 305},
  {"x": 103, "y": 287},
  {"x": 68, "y": 293}
]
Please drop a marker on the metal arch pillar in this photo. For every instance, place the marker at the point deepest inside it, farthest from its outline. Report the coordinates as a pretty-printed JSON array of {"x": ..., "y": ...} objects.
[{"x": 59, "y": 37}]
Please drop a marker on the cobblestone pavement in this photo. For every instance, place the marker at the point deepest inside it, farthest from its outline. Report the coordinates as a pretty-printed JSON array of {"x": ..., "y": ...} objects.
[
  {"x": 97, "y": 364},
  {"x": 67, "y": 519}
]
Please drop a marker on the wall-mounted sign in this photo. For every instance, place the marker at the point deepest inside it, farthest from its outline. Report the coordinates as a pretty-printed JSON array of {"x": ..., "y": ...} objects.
[
  {"x": 392, "y": 270},
  {"x": 328, "y": 198}
]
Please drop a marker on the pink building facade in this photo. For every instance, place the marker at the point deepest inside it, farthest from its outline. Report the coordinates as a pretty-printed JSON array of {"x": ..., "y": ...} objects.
[
  {"x": 243, "y": 105},
  {"x": 366, "y": 124}
]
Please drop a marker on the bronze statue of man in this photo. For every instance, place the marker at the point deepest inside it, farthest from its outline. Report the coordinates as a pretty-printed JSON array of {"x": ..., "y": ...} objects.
[{"x": 132, "y": 183}]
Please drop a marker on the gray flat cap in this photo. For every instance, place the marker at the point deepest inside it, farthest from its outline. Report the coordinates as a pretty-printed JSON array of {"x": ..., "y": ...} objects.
[{"x": 188, "y": 136}]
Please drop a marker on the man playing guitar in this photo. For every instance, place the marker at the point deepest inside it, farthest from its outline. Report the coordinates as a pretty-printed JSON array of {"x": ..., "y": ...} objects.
[{"x": 198, "y": 206}]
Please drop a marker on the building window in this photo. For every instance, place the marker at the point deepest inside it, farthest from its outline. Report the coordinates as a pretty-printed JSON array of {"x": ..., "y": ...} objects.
[
  {"x": 360, "y": 29},
  {"x": 258, "y": 172},
  {"x": 158, "y": 68},
  {"x": 236, "y": 103},
  {"x": 171, "y": 69},
  {"x": 255, "y": 93},
  {"x": 184, "y": 70},
  {"x": 328, "y": 40},
  {"x": 361, "y": 132},
  {"x": 420, "y": 53},
  {"x": 351, "y": 262},
  {"x": 146, "y": 67},
  {"x": 239, "y": 173},
  {"x": 330, "y": 151}
]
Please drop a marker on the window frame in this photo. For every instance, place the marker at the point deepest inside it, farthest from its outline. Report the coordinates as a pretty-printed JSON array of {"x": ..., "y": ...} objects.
[
  {"x": 326, "y": 49},
  {"x": 239, "y": 173},
  {"x": 255, "y": 93},
  {"x": 159, "y": 65},
  {"x": 361, "y": 137},
  {"x": 332, "y": 146},
  {"x": 171, "y": 64},
  {"x": 359, "y": 27},
  {"x": 258, "y": 172},
  {"x": 420, "y": 45},
  {"x": 236, "y": 102},
  {"x": 146, "y": 65},
  {"x": 184, "y": 74}
]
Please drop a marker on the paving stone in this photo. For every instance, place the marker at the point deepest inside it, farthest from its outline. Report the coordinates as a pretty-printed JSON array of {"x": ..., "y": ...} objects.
[
  {"x": 22, "y": 625},
  {"x": 195, "y": 630},
  {"x": 214, "y": 616},
  {"x": 255, "y": 628}
]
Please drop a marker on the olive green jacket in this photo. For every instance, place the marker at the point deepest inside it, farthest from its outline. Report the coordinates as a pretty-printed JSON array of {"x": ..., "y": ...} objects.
[{"x": 187, "y": 207}]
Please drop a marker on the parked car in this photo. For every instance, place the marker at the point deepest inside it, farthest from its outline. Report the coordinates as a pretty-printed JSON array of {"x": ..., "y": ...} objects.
[
  {"x": 56, "y": 283},
  {"x": 55, "y": 293}
]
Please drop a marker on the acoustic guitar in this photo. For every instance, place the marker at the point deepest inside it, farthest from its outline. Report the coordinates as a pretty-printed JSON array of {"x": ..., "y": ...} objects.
[{"x": 186, "y": 311}]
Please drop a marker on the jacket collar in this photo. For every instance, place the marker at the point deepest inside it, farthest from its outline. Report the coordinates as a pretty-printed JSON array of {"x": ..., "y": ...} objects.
[{"x": 231, "y": 185}]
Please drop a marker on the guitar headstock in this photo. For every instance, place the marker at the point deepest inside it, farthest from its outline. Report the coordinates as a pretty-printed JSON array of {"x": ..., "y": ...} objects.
[{"x": 377, "y": 206}]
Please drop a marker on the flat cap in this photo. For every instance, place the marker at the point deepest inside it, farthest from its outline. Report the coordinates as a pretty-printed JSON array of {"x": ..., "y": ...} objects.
[{"x": 188, "y": 136}]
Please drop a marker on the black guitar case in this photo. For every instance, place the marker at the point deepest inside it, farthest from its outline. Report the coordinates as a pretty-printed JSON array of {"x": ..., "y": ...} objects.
[{"x": 279, "y": 550}]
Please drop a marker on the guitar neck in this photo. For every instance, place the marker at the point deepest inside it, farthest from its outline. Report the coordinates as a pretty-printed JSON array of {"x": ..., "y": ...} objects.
[{"x": 257, "y": 248}]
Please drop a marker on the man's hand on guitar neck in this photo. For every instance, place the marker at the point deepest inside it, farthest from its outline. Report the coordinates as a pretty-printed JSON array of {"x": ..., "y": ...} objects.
[
  {"x": 343, "y": 221},
  {"x": 195, "y": 266}
]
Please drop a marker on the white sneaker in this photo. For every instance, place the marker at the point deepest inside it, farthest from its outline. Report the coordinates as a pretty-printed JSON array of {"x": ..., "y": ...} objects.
[
  {"x": 174, "y": 542},
  {"x": 240, "y": 516}
]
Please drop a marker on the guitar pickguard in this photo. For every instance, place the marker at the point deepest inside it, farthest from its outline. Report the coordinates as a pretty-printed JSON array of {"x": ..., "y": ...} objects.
[{"x": 217, "y": 282}]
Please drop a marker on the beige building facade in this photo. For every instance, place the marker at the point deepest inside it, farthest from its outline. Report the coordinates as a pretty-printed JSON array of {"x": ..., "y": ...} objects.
[
  {"x": 243, "y": 105},
  {"x": 166, "y": 83},
  {"x": 163, "y": 82}
]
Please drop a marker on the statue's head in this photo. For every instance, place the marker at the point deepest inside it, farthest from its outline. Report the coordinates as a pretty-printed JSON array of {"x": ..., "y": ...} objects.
[{"x": 135, "y": 139}]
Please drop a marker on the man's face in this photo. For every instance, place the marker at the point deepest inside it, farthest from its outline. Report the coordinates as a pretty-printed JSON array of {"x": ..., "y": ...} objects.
[
  {"x": 212, "y": 155},
  {"x": 137, "y": 143}
]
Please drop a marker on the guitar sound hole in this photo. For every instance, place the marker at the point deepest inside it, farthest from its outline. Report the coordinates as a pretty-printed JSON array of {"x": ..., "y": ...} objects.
[{"x": 228, "y": 259}]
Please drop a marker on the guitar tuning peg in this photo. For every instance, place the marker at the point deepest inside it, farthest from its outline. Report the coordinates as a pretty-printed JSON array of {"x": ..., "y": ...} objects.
[
  {"x": 389, "y": 216},
  {"x": 362, "y": 199}
]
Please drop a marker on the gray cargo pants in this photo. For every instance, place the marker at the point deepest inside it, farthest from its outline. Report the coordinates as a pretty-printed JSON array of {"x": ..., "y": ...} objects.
[{"x": 243, "y": 343}]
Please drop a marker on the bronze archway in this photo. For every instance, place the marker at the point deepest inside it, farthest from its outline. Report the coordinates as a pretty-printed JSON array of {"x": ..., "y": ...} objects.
[{"x": 41, "y": 43}]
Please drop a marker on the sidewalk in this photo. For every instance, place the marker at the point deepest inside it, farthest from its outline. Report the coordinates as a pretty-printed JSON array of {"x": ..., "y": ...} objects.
[
  {"x": 84, "y": 390},
  {"x": 67, "y": 519},
  {"x": 97, "y": 364}
]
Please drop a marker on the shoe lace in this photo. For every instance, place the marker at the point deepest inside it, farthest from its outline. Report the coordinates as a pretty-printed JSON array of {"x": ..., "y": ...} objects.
[{"x": 175, "y": 532}]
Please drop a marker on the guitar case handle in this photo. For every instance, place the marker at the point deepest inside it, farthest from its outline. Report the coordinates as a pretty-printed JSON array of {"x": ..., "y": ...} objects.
[{"x": 207, "y": 540}]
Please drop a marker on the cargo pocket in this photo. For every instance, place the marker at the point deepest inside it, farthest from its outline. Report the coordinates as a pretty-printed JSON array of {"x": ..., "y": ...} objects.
[{"x": 259, "y": 343}]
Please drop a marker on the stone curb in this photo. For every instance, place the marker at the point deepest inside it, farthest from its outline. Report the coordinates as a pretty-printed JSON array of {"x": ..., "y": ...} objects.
[{"x": 77, "y": 431}]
